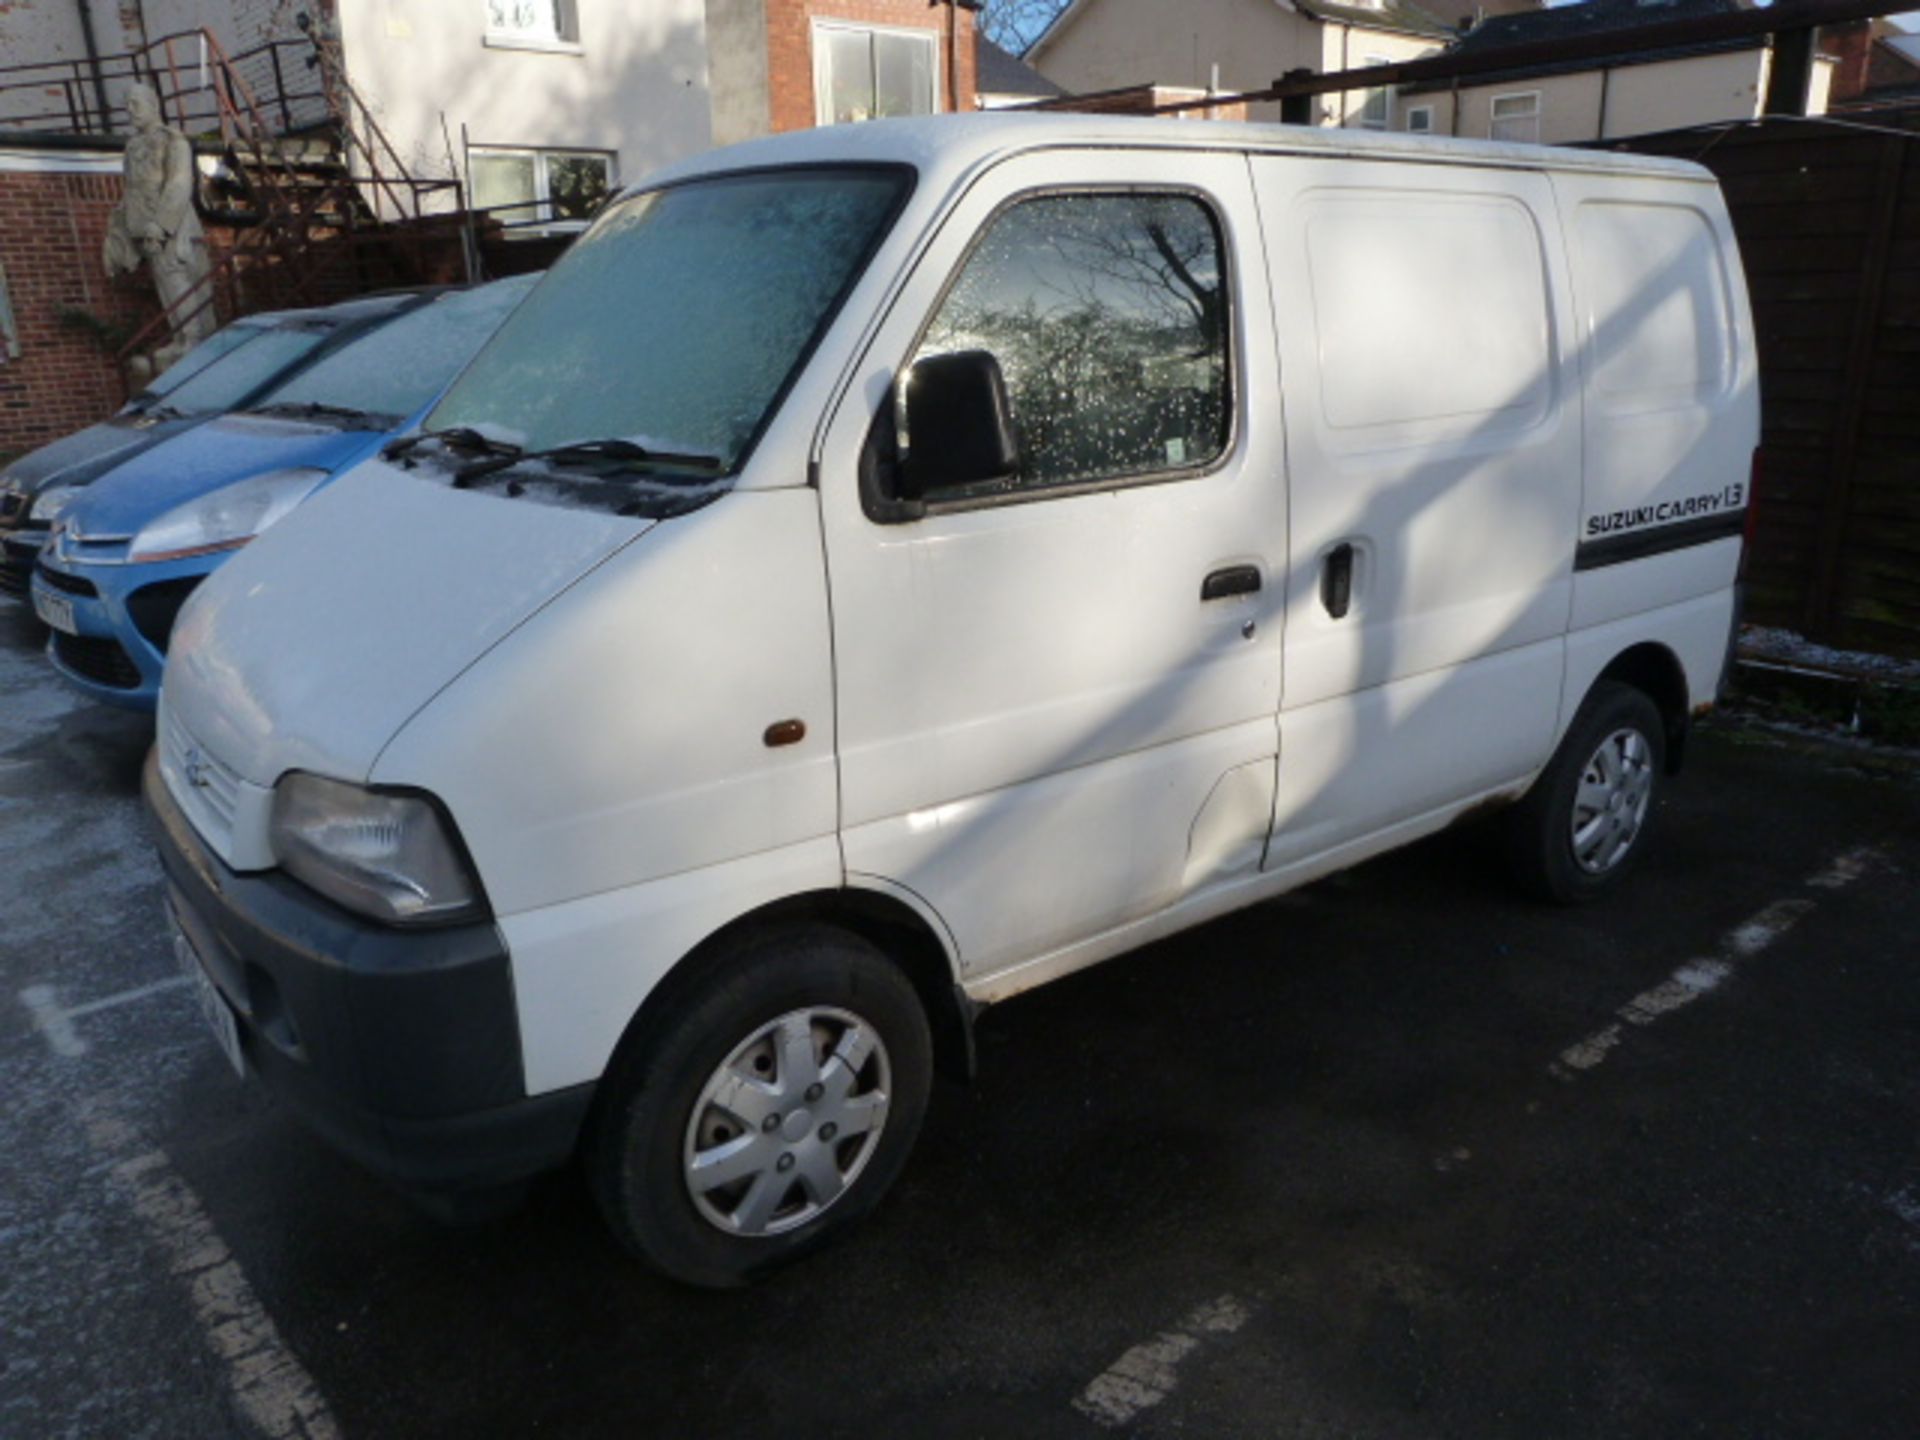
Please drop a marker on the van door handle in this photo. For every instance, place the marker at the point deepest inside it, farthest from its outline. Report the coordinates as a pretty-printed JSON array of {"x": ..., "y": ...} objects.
[
  {"x": 1336, "y": 581},
  {"x": 1233, "y": 580}
]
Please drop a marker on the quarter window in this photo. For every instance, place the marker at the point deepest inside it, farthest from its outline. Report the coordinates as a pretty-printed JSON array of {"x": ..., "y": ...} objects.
[
  {"x": 862, "y": 74},
  {"x": 1516, "y": 117},
  {"x": 1109, "y": 317}
]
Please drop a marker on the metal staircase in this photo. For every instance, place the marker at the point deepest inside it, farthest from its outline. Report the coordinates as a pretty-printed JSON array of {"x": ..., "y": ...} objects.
[{"x": 306, "y": 200}]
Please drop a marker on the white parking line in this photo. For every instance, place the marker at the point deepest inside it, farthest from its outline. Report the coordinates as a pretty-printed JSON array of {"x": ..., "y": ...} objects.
[
  {"x": 268, "y": 1384},
  {"x": 1147, "y": 1373},
  {"x": 1704, "y": 975},
  {"x": 56, "y": 1022}
]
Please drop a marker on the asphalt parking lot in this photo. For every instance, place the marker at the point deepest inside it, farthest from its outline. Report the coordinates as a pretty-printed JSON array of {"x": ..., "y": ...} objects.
[{"x": 1397, "y": 1156}]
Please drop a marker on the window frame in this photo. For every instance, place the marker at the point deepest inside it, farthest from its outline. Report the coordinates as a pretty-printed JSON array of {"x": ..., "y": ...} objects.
[
  {"x": 1537, "y": 114},
  {"x": 1385, "y": 92},
  {"x": 1413, "y": 110},
  {"x": 565, "y": 39},
  {"x": 883, "y": 508},
  {"x": 536, "y": 227},
  {"x": 823, "y": 61}
]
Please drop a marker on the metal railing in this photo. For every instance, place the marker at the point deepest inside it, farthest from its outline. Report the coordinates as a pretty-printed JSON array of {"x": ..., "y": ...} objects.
[
  {"x": 189, "y": 72},
  {"x": 304, "y": 214}
]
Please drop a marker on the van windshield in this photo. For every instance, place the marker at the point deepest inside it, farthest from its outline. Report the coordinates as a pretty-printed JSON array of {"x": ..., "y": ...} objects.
[{"x": 679, "y": 318}]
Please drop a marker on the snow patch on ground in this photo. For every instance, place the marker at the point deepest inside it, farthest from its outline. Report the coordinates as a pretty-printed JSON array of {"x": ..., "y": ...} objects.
[{"x": 1785, "y": 647}]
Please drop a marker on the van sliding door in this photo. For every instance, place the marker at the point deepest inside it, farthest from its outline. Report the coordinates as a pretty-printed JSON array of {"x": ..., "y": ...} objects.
[{"x": 1433, "y": 422}]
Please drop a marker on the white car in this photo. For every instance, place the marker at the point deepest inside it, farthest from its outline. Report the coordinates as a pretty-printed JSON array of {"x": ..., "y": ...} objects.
[{"x": 885, "y": 568}]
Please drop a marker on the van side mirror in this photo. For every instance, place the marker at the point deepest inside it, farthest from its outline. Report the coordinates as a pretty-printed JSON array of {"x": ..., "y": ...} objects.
[{"x": 959, "y": 425}]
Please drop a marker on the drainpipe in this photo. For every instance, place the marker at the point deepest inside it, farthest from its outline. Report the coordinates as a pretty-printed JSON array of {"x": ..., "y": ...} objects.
[
  {"x": 1606, "y": 74},
  {"x": 93, "y": 59},
  {"x": 953, "y": 57}
]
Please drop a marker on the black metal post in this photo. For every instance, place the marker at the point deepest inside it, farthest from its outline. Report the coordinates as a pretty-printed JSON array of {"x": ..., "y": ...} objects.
[
  {"x": 1791, "y": 81},
  {"x": 280, "y": 86},
  {"x": 1295, "y": 109}
]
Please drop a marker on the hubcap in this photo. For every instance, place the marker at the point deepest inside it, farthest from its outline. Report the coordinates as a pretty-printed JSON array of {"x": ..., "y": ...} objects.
[
  {"x": 1610, "y": 805},
  {"x": 787, "y": 1122}
]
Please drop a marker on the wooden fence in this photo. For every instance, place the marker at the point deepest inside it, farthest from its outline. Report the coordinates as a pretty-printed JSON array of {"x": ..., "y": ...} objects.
[{"x": 1828, "y": 216}]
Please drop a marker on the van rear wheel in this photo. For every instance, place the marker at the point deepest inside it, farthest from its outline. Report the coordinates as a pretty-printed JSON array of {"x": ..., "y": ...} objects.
[
  {"x": 1583, "y": 826},
  {"x": 768, "y": 1113}
]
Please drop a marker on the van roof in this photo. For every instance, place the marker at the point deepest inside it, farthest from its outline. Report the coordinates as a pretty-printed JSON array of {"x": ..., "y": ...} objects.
[{"x": 955, "y": 144}]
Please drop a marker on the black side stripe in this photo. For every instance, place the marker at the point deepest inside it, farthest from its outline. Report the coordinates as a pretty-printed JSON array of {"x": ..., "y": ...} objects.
[{"x": 1638, "y": 544}]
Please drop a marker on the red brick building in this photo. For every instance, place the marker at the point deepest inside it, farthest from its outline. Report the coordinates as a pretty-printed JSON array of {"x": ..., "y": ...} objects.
[
  {"x": 60, "y": 316},
  {"x": 778, "y": 65}
]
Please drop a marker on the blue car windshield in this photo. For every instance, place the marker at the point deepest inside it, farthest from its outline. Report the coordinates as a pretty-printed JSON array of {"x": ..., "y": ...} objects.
[
  {"x": 237, "y": 374},
  {"x": 221, "y": 342},
  {"x": 389, "y": 373},
  {"x": 677, "y": 321}
]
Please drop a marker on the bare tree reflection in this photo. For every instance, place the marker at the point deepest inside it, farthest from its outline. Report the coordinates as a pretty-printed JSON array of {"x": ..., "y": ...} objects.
[{"x": 1108, "y": 315}]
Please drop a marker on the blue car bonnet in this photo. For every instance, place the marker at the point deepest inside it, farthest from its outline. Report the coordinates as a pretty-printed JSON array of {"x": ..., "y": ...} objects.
[{"x": 215, "y": 454}]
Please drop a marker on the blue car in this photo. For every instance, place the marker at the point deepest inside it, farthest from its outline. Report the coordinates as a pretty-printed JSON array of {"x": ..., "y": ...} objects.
[
  {"x": 230, "y": 369},
  {"x": 128, "y": 550}
]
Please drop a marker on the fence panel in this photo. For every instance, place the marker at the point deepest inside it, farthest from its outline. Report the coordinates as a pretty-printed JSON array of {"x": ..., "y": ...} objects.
[{"x": 1828, "y": 217}]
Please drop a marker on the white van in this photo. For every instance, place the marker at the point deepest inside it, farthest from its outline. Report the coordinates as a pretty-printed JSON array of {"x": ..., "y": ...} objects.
[{"x": 885, "y": 568}]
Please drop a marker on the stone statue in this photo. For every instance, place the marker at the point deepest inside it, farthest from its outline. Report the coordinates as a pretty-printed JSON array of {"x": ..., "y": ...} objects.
[{"x": 155, "y": 222}]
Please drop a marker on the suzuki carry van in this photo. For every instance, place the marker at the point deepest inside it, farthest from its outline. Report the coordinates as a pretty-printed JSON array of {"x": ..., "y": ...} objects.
[{"x": 885, "y": 568}]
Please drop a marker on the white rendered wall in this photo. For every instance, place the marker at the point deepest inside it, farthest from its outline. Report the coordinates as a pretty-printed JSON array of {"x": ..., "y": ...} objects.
[{"x": 636, "y": 83}]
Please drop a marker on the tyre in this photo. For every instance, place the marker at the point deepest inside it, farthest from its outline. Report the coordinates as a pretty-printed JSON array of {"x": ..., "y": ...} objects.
[
  {"x": 766, "y": 1110},
  {"x": 1583, "y": 826}
]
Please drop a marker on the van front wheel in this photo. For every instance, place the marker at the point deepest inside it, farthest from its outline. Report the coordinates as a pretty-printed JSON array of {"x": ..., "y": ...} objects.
[
  {"x": 1583, "y": 825},
  {"x": 768, "y": 1113}
]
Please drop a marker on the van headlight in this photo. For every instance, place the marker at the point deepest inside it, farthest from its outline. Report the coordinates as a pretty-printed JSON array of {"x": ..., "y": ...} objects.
[
  {"x": 385, "y": 854},
  {"x": 223, "y": 519}
]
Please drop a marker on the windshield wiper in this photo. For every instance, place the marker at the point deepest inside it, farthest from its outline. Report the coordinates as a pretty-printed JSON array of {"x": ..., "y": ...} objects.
[
  {"x": 454, "y": 437},
  {"x": 313, "y": 410},
  {"x": 591, "y": 452}
]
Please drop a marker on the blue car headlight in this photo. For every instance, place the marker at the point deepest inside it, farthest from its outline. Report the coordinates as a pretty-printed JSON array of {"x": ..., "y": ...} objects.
[
  {"x": 51, "y": 503},
  {"x": 223, "y": 519}
]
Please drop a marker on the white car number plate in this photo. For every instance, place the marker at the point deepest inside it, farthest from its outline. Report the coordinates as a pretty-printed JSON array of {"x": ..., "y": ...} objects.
[
  {"x": 213, "y": 1004},
  {"x": 55, "y": 611}
]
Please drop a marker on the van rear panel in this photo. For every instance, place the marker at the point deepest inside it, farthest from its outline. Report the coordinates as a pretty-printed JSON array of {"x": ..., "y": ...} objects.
[{"x": 1670, "y": 385}]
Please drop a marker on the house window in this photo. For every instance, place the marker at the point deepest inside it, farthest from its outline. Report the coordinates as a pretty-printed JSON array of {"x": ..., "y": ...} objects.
[
  {"x": 537, "y": 191},
  {"x": 531, "y": 22},
  {"x": 1109, "y": 317},
  {"x": 866, "y": 74},
  {"x": 1516, "y": 117},
  {"x": 1376, "y": 110},
  {"x": 1420, "y": 119}
]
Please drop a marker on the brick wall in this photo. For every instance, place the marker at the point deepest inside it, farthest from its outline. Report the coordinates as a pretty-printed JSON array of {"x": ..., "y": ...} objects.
[
  {"x": 790, "y": 48},
  {"x": 52, "y": 226}
]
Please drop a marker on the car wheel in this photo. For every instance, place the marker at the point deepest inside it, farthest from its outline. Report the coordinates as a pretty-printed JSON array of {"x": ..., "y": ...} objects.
[
  {"x": 1583, "y": 826},
  {"x": 766, "y": 1110}
]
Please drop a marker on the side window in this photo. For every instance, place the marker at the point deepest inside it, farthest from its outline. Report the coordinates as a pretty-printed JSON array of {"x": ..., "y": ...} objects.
[{"x": 1108, "y": 314}]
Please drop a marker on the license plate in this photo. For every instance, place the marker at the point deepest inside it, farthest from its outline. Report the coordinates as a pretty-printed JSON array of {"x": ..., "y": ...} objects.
[
  {"x": 213, "y": 1005},
  {"x": 55, "y": 611}
]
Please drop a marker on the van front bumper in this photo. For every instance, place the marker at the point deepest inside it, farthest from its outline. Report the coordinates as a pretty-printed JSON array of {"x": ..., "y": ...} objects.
[{"x": 400, "y": 1047}]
